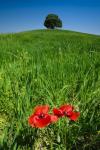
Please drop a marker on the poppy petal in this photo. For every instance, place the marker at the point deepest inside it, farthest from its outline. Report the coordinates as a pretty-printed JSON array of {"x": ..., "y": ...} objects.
[
  {"x": 54, "y": 118},
  {"x": 31, "y": 120},
  {"x": 41, "y": 109},
  {"x": 66, "y": 108},
  {"x": 74, "y": 116},
  {"x": 58, "y": 112}
]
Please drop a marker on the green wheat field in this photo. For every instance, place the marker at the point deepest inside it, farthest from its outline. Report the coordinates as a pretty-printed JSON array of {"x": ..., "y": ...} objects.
[{"x": 52, "y": 67}]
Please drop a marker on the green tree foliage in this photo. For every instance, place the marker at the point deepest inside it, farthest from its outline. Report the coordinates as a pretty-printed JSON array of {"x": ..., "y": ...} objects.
[{"x": 52, "y": 21}]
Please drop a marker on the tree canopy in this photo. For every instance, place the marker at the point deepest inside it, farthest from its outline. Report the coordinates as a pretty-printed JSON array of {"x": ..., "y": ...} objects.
[{"x": 52, "y": 21}]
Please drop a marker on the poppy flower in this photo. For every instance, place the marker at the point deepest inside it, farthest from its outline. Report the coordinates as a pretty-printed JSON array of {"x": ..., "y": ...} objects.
[
  {"x": 66, "y": 110},
  {"x": 41, "y": 118}
]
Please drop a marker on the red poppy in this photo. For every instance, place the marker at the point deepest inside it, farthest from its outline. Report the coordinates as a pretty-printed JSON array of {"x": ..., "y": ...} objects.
[
  {"x": 66, "y": 110},
  {"x": 41, "y": 118}
]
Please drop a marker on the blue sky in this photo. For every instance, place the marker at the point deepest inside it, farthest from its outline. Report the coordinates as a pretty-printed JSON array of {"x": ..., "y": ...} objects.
[{"x": 77, "y": 15}]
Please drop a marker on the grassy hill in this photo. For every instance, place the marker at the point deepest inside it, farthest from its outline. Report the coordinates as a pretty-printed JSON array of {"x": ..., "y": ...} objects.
[{"x": 49, "y": 67}]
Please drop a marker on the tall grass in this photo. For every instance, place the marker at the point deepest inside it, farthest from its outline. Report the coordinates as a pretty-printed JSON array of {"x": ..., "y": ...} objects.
[{"x": 49, "y": 67}]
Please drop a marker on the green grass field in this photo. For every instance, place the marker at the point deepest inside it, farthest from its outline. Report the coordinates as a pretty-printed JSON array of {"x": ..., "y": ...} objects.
[{"x": 55, "y": 68}]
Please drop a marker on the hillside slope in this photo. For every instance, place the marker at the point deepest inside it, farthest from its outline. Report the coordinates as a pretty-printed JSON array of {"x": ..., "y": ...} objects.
[{"x": 47, "y": 40}]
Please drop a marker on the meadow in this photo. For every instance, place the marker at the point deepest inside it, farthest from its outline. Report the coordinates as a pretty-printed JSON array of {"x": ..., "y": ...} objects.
[{"x": 52, "y": 67}]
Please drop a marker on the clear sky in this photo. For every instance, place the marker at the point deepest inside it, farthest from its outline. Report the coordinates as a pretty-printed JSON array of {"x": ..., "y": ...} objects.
[{"x": 77, "y": 15}]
